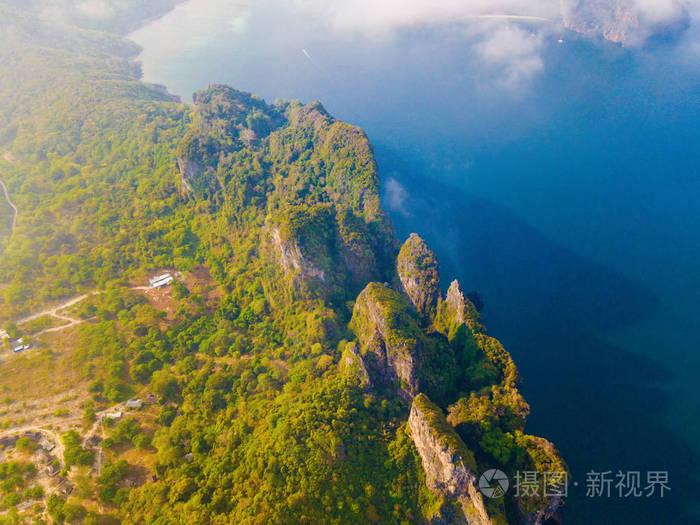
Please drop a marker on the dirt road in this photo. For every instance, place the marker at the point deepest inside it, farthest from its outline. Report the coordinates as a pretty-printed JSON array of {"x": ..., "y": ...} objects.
[
  {"x": 54, "y": 312},
  {"x": 12, "y": 205},
  {"x": 71, "y": 321}
]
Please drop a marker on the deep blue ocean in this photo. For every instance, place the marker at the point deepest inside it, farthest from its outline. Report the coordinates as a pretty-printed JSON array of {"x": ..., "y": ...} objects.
[{"x": 566, "y": 191}]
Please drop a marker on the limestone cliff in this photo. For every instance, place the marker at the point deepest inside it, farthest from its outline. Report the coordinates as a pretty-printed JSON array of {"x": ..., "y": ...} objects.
[
  {"x": 417, "y": 267},
  {"x": 353, "y": 365},
  {"x": 398, "y": 352},
  {"x": 425, "y": 347},
  {"x": 291, "y": 258},
  {"x": 302, "y": 191},
  {"x": 456, "y": 310},
  {"x": 322, "y": 250},
  {"x": 190, "y": 170},
  {"x": 313, "y": 177},
  {"x": 449, "y": 465},
  {"x": 391, "y": 342}
]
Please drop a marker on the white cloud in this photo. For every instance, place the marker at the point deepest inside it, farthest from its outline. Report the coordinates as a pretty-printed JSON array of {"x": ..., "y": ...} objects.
[
  {"x": 506, "y": 35},
  {"x": 396, "y": 196},
  {"x": 513, "y": 53},
  {"x": 507, "y": 50},
  {"x": 658, "y": 11}
]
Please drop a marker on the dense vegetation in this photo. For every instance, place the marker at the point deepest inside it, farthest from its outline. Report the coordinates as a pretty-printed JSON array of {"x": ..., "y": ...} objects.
[
  {"x": 16, "y": 483},
  {"x": 278, "y": 207}
]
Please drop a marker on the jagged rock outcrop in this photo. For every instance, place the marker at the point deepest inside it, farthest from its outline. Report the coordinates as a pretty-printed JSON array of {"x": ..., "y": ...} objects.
[
  {"x": 191, "y": 172},
  {"x": 418, "y": 271},
  {"x": 352, "y": 364},
  {"x": 391, "y": 342},
  {"x": 538, "y": 508},
  {"x": 322, "y": 236},
  {"x": 349, "y": 170},
  {"x": 457, "y": 310},
  {"x": 449, "y": 465},
  {"x": 321, "y": 249},
  {"x": 291, "y": 259},
  {"x": 326, "y": 201}
]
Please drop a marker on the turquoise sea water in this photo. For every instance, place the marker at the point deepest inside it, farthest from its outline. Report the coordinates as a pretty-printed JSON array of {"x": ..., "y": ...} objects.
[{"x": 566, "y": 191}]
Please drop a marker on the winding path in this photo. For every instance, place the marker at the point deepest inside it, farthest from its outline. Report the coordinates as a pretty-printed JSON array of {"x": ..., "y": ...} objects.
[
  {"x": 53, "y": 312},
  {"x": 70, "y": 321},
  {"x": 12, "y": 205}
]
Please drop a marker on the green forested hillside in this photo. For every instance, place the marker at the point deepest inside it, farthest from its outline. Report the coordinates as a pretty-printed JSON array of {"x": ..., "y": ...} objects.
[{"x": 282, "y": 396}]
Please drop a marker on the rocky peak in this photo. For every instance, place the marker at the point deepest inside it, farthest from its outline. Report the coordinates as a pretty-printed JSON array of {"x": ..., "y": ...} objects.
[
  {"x": 418, "y": 271},
  {"x": 312, "y": 116},
  {"x": 460, "y": 310},
  {"x": 391, "y": 343},
  {"x": 353, "y": 365},
  {"x": 449, "y": 465}
]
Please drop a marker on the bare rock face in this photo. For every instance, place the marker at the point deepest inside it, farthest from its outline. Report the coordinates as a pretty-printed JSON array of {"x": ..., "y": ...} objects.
[
  {"x": 322, "y": 251},
  {"x": 446, "y": 460},
  {"x": 391, "y": 342},
  {"x": 418, "y": 271},
  {"x": 460, "y": 310},
  {"x": 449, "y": 465},
  {"x": 194, "y": 175},
  {"x": 352, "y": 364},
  {"x": 291, "y": 259}
]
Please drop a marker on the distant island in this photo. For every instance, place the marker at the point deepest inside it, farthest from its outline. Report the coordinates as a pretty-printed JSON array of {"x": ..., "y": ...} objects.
[{"x": 620, "y": 21}]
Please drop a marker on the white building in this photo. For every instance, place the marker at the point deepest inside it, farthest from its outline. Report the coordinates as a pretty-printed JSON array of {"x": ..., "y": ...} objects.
[
  {"x": 113, "y": 415},
  {"x": 161, "y": 280}
]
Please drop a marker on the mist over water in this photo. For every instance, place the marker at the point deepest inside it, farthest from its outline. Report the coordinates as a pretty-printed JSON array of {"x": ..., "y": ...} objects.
[{"x": 561, "y": 180}]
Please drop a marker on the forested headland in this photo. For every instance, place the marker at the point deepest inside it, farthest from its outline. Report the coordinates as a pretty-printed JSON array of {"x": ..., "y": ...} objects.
[{"x": 283, "y": 363}]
